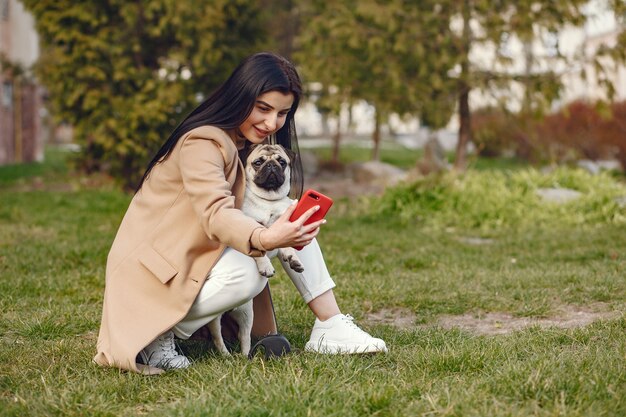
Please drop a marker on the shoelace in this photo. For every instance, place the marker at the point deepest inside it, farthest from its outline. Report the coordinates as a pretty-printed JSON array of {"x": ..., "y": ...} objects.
[
  {"x": 167, "y": 347},
  {"x": 350, "y": 321}
]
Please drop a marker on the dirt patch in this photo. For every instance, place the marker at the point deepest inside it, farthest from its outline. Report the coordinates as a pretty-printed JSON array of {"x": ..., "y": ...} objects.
[
  {"x": 476, "y": 241},
  {"x": 502, "y": 323},
  {"x": 402, "y": 318},
  {"x": 568, "y": 317},
  {"x": 340, "y": 185}
]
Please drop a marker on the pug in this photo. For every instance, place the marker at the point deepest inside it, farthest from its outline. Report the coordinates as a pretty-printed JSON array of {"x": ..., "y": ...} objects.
[
  {"x": 268, "y": 180},
  {"x": 243, "y": 315}
]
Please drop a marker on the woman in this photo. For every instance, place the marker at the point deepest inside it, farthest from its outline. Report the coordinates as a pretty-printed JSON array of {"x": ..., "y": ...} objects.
[{"x": 182, "y": 254}]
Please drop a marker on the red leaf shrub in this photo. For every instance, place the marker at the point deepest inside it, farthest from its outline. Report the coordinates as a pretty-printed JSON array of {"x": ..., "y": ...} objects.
[
  {"x": 580, "y": 130},
  {"x": 612, "y": 133},
  {"x": 490, "y": 132}
]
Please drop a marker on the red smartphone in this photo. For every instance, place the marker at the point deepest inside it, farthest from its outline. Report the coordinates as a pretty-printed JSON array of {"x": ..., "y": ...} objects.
[{"x": 311, "y": 198}]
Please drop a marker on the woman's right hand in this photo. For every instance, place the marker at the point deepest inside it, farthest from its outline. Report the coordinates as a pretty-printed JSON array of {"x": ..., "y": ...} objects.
[{"x": 284, "y": 233}]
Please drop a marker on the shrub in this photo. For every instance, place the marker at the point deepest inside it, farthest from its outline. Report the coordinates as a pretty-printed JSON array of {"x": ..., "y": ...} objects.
[
  {"x": 575, "y": 127},
  {"x": 580, "y": 130},
  {"x": 612, "y": 132},
  {"x": 491, "y": 132},
  {"x": 493, "y": 200}
]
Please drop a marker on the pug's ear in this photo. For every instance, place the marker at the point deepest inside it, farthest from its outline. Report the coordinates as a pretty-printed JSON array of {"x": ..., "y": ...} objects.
[
  {"x": 246, "y": 151},
  {"x": 291, "y": 154}
]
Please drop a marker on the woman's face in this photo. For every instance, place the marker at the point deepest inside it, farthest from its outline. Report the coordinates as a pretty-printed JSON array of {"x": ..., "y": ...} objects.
[{"x": 268, "y": 116}]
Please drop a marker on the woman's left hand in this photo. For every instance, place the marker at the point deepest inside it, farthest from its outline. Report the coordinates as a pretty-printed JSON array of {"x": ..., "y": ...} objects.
[{"x": 284, "y": 233}]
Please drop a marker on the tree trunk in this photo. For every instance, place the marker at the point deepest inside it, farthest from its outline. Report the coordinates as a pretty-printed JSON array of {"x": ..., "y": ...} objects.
[
  {"x": 350, "y": 128},
  {"x": 376, "y": 137},
  {"x": 325, "y": 127},
  {"x": 336, "y": 142},
  {"x": 528, "y": 62},
  {"x": 460, "y": 161}
]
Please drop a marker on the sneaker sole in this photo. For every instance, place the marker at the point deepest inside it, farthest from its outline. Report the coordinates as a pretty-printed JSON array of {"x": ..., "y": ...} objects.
[
  {"x": 167, "y": 365},
  {"x": 335, "y": 348}
]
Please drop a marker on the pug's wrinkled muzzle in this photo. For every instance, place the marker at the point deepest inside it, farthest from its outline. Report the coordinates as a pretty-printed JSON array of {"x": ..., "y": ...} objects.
[{"x": 270, "y": 176}]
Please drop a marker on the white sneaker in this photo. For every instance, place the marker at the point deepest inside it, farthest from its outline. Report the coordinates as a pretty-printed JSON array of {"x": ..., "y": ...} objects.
[
  {"x": 339, "y": 334},
  {"x": 161, "y": 353}
]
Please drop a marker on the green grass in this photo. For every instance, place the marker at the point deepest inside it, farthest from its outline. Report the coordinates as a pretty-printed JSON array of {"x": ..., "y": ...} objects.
[
  {"x": 53, "y": 247},
  {"x": 55, "y": 166},
  {"x": 390, "y": 152},
  {"x": 394, "y": 153},
  {"x": 495, "y": 164}
]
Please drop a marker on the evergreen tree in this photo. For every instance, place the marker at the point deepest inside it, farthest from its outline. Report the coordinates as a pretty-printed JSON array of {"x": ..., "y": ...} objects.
[
  {"x": 383, "y": 52},
  {"x": 124, "y": 73}
]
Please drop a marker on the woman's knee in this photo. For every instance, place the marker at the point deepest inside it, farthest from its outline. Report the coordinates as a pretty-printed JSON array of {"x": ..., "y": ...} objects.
[
  {"x": 241, "y": 271},
  {"x": 252, "y": 282}
]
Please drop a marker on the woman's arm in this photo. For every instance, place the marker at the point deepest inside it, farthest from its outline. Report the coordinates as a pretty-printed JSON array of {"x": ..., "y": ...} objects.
[{"x": 202, "y": 165}]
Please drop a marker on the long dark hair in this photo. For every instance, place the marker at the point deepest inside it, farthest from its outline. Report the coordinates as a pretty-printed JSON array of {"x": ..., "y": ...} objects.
[{"x": 233, "y": 101}]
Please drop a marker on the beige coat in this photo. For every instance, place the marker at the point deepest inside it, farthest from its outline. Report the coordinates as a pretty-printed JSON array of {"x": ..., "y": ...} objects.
[{"x": 174, "y": 231}]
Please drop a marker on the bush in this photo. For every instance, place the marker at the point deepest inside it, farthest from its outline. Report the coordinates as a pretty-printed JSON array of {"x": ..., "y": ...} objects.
[
  {"x": 491, "y": 132},
  {"x": 580, "y": 130},
  {"x": 575, "y": 127},
  {"x": 612, "y": 132},
  {"x": 503, "y": 200}
]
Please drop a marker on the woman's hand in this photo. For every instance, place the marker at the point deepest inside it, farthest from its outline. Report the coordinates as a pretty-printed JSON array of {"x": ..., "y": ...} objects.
[{"x": 284, "y": 233}]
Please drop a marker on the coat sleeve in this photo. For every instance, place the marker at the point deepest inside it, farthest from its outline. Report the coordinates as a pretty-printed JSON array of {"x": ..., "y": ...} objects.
[{"x": 202, "y": 166}]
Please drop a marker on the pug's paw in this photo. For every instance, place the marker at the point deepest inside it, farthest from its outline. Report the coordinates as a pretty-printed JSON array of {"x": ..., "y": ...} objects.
[
  {"x": 295, "y": 264},
  {"x": 290, "y": 256},
  {"x": 265, "y": 267}
]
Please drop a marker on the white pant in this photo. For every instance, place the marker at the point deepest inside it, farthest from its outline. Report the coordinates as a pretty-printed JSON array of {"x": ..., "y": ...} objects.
[{"x": 235, "y": 279}]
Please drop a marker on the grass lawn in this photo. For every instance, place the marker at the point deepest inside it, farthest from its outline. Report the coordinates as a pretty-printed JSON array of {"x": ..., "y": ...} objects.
[
  {"x": 394, "y": 153},
  {"x": 351, "y": 152},
  {"x": 390, "y": 256}
]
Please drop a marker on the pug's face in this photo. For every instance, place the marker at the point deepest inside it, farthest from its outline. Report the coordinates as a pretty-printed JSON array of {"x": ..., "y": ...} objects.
[{"x": 268, "y": 168}]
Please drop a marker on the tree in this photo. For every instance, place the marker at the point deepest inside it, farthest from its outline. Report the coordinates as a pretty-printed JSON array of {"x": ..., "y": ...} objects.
[
  {"x": 415, "y": 57},
  {"x": 493, "y": 25},
  {"x": 284, "y": 17},
  {"x": 389, "y": 53},
  {"x": 608, "y": 57},
  {"x": 123, "y": 73}
]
